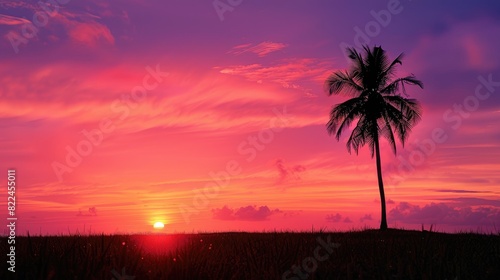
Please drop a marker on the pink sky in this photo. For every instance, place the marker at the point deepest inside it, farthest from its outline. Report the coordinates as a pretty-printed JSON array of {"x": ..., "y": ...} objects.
[{"x": 212, "y": 121}]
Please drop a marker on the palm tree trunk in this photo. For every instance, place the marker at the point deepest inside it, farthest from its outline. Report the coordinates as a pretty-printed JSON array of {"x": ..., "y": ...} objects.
[{"x": 383, "y": 222}]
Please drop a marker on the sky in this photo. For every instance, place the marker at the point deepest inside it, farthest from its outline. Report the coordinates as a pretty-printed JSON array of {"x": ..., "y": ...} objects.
[{"x": 211, "y": 116}]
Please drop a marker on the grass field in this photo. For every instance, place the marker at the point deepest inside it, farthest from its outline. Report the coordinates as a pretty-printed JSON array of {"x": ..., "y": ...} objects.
[{"x": 368, "y": 254}]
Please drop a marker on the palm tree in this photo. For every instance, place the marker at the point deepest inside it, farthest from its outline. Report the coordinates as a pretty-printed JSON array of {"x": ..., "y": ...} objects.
[{"x": 379, "y": 105}]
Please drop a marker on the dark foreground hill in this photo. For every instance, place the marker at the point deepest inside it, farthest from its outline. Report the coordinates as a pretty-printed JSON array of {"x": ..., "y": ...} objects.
[{"x": 393, "y": 254}]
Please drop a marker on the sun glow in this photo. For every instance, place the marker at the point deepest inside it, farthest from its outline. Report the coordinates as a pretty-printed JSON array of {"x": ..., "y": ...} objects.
[{"x": 158, "y": 225}]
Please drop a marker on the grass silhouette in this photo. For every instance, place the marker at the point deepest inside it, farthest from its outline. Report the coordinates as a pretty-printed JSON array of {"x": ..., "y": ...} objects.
[{"x": 367, "y": 254}]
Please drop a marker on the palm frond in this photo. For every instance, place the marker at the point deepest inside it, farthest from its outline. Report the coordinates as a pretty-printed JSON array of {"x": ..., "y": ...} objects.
[
  {"x": 357, "y": 138},
  {"x": 394, "y": 87},
  {"x": 343, "y": 114},
  {"x": 341, "y": 82}
]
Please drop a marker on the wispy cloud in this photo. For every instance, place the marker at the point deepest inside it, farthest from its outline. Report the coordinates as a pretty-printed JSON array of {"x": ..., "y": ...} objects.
[
  {"x": 91, "y": 34},
  {"x": 11, "y": 20},
  {"x": 84, "y": 28},
  {"x": 18, "y": 4},
  {"x": 334, "y": 218},
  {"x": 261, "y": 49},
  {"x": 287, "y": 173},
  {"x": 444, "y": 214},
  {"x": 366, "y": 217},
  {"x": 474, "y": 201},
  {"x": 289, "y": 73},
  {"x": 458, "y": 191},
  {"x": 92, "y": 211},
  {"x": 247, "y": 213}
]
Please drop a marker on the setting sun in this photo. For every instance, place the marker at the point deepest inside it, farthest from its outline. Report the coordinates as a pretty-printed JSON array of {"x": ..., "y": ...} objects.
[{"x": 158, "y": 225}]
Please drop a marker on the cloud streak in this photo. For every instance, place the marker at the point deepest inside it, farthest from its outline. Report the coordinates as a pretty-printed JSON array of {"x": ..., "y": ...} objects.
[
  {"x": 247, "y": 213},
  {"x": 11, "y": 20},
  {"x": 445, "y": 214},
  {"x": 261, "y": 49}
]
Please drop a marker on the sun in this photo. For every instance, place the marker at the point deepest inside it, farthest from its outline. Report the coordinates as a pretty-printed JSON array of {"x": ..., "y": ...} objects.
[{"x": 158, "y": 225}]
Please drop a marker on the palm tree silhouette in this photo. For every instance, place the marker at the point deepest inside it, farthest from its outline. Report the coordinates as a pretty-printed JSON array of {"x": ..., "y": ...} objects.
[{"x": 377, "y": 105}]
